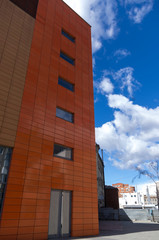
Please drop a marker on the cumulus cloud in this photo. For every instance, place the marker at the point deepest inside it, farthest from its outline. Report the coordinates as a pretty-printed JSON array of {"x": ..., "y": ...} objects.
[
  {"x": 106, "y": 86},
  {"x": 125, "y": 79},
  {"x": 125, "y": 75},
  {"x": 138, "y": 9},
  {"x": 132, "y": 138},
  {"x": 101, "y": 15},
  {"x": 121, "y": 53}
]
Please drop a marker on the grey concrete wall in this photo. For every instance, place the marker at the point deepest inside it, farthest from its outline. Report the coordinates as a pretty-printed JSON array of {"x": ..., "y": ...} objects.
[
  {"x": 128, "y": 214},
  {"x": 133, "y": 214},
  {"x": 156, "y": 215}
]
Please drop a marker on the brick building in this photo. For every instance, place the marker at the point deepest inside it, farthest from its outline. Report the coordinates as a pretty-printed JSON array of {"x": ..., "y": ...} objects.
[
  {"x": 48, "y": 179},
  {"x": 123, "y": 188}
]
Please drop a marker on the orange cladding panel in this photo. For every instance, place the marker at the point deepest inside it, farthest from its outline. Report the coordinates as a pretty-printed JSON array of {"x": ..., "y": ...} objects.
[{"x": 34, "y": 170}]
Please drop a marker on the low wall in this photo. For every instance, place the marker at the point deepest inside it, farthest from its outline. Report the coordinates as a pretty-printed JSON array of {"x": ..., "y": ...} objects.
[
  {"x": 138, "y": 215},
  {"x": 133, "y": 214},
  {"x": 128, "y": 214}
]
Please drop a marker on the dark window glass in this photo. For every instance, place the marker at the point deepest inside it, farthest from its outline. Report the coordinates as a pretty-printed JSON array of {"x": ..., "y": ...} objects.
[
  {"x": 67, "y": 35},
  {"x": 62, "y": 152},
  {"x": 64, "y": 114},
  {"x": 5, "y": 157},
  {"x": 66, "y": 84},
  {"x": 67, "y": 58},
  {"x": 1, "y": 150}
]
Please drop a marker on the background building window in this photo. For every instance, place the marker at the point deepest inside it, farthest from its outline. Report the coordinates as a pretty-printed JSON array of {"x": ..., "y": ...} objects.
[
  {"x": 63, "y": 152},
  {"x": 65, "y": 84},
  {"x": 64, "y": 115},
  {"x": 5, "y": 156}
]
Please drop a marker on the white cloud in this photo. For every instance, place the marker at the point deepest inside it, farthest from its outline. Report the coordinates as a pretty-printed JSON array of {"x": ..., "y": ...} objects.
[
  {"x": 110, "y": 19},
  {"x": 138, "y": 9},
  {"x": 106, "y": 86},
  {"x": 132, "y": 138},
  {"x": 125, "y": 78},
  {"x": 121, "y": 53},
  {"x": 101, "y": 15},
  {"x": 125, "y": 75}
]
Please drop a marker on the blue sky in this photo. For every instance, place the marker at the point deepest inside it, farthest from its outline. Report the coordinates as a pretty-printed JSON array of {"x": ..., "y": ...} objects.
[{"x": 125, "y": 43}]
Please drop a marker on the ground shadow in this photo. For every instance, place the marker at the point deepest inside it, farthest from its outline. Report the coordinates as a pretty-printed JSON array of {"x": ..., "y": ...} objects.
[
  {"x": 112, "y": 228},
  {"x": 109, "y": 228}
]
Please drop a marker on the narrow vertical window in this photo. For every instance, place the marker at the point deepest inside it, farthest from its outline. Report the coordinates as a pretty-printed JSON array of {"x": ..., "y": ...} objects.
[
  {"x": 68, "y": 36},
  {"x": 65, "y": 84},
  {"x": 5, "y": 157},
  {"x": 63, "y": 152},
  {"x": 67, "y": 58},
  {"x": 61, "y": 113}
]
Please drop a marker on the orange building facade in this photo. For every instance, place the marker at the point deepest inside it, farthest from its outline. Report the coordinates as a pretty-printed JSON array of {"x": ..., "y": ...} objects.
[
  {"x": 123, "y": 188},
  {"x": 48, "y": 181}
]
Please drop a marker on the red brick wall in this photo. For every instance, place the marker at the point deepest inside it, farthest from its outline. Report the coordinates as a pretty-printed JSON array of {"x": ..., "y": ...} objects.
[
  {"x": 34, "y": 171},
  {"x": 111, "y": 198}
]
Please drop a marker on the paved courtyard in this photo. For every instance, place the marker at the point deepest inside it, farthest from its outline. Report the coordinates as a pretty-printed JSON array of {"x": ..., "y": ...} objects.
[{"x": 125, "y": 230}]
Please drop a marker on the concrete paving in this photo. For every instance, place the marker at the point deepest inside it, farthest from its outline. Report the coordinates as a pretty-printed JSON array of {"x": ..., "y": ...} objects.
[{"x": 126, "y": 230}]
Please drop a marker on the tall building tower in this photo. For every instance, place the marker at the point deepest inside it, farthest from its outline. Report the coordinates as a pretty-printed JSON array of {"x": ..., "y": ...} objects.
[{"x": 48, "y": 180}]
